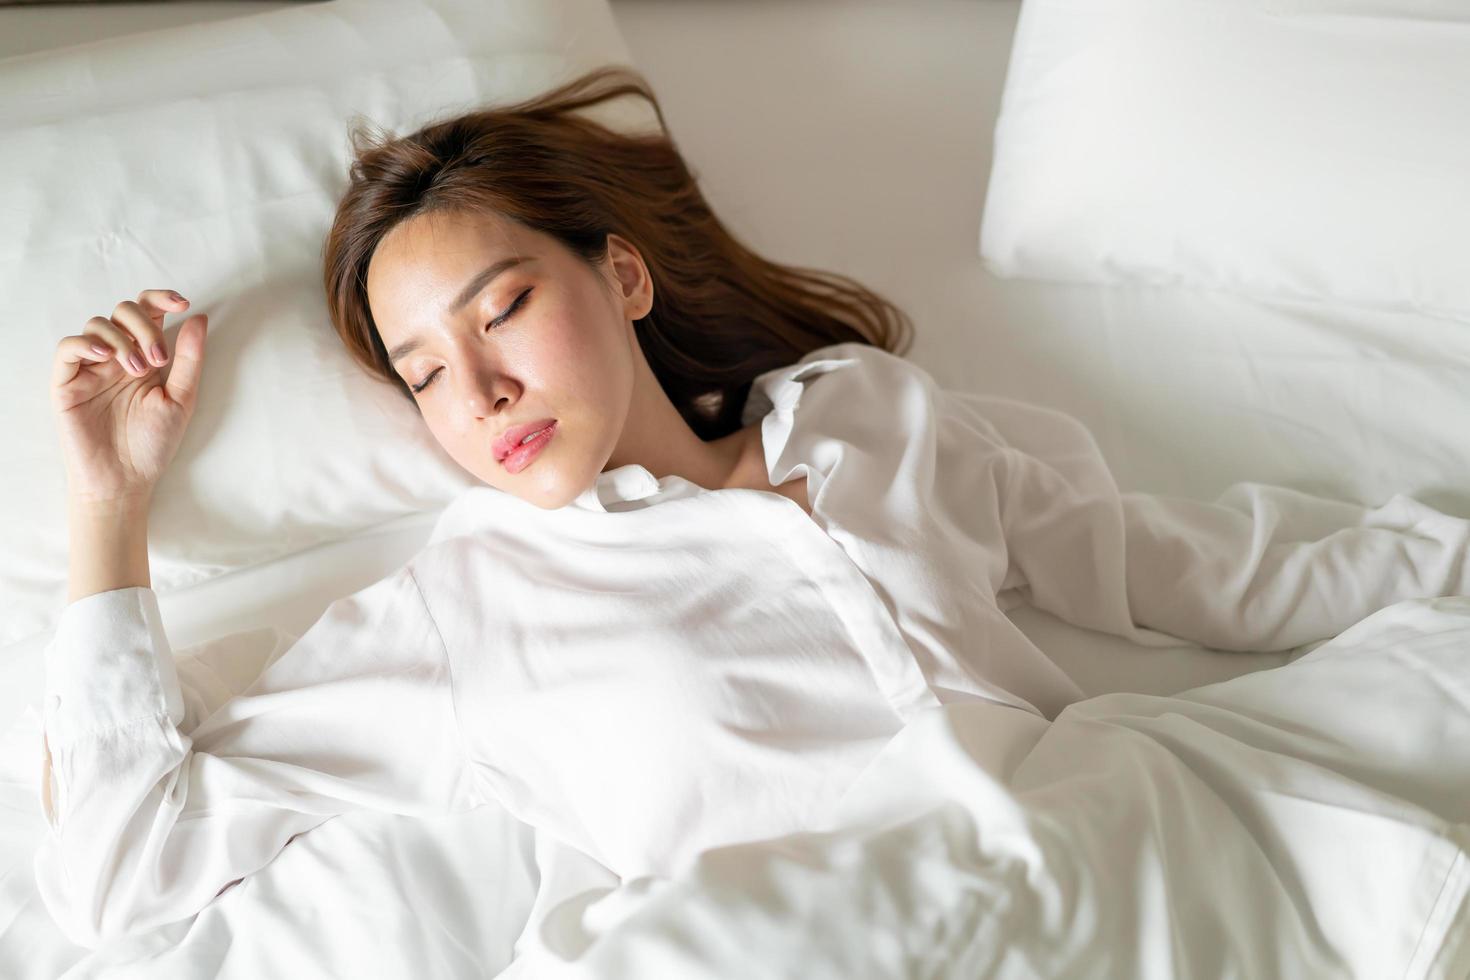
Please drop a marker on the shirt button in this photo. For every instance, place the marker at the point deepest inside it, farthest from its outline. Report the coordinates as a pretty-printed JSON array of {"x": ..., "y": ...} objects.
[{"x": 53, "y": 702}]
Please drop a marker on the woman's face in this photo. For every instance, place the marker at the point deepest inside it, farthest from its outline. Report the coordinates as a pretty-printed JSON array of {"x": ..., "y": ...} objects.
[{"x": 546, "y": 337}]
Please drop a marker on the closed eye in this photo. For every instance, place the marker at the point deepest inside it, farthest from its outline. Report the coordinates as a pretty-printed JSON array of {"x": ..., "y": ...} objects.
[{"x": 514, "y": 306}]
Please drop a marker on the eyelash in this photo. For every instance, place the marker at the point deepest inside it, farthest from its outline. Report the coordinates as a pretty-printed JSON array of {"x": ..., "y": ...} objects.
[{"x": 515, "y": 305}]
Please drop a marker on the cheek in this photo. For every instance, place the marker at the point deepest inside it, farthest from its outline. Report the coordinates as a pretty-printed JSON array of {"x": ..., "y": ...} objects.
[
  {"x": 473, "y": 455},
  {"x": 451, "y": 438}
]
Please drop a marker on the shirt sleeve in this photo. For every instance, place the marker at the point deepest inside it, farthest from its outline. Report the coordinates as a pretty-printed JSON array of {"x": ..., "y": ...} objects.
[
  {"x": 158, "y": 800},
  {"x": 1262, "y": 568}
]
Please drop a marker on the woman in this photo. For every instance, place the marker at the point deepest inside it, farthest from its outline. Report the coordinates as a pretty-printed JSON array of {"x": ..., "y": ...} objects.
[{"x": 729, "y": 540}]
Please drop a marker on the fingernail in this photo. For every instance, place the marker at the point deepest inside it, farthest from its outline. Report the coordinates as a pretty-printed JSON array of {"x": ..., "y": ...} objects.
[
  {"x": 176, "y": 298},
  {"x": 137, "y": 363},
  {"x": 159, "y": 354},
  {"x": 104, "y": 351}
]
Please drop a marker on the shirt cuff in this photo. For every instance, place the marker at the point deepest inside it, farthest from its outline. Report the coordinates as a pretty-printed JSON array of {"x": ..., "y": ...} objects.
[{"x": 109, "y": 665}]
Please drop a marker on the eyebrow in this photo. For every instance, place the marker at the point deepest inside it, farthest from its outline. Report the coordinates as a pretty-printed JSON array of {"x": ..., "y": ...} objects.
[{"x": 470, "y": 291}]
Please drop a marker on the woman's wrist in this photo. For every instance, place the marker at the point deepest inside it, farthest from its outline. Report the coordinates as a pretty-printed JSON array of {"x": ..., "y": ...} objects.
[{"x": 108, "y": 544}]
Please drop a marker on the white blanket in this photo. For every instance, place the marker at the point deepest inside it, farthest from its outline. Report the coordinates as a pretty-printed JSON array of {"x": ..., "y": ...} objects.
[{"x": 1311, "y": 820}]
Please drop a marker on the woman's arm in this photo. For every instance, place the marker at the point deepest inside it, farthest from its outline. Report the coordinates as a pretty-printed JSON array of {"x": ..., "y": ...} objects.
[
  {"x": 1262, "y": 568},
  {"x": 159, "y": 797},
  {"x": 108, "y": 545},
  {"x": 1270, "y": 568}
]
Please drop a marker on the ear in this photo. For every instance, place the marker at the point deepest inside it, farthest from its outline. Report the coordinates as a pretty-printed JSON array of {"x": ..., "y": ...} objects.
[{"x": 635, "y": 285}]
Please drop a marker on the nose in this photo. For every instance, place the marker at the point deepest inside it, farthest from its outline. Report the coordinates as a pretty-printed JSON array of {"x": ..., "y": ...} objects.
[{"x": 482, "y": 389}]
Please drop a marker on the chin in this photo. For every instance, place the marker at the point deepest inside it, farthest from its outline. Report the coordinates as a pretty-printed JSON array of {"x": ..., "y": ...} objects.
[{"x": 550, "y": 493}]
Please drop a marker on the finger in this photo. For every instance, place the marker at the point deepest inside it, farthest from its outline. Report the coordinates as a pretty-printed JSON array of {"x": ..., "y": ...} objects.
[
  {"x": 121, "y": 342},
  {"x": 158, "y": 302},
  {"x": 71, "y": 354},
  {"x": 183, "y": 381},
  {"x": 148, "y": 333}
]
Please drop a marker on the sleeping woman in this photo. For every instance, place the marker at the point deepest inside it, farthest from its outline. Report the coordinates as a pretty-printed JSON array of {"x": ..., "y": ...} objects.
[{"x": 727, "y": 540}]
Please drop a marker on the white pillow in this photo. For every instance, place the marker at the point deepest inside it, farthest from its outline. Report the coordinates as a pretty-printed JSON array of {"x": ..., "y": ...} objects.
[
  {"x": 209, "y": 158},
  {"x": 1299, "y": 149}
]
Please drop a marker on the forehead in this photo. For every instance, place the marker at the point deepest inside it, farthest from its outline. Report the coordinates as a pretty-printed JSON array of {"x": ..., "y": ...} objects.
[
  {"x": 425, "y": 261},
  {"x": 430, "y": 248}
]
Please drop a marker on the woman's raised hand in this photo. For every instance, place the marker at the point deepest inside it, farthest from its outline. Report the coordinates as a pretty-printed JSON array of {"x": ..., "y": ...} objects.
[{"x": 119, "y": 421}]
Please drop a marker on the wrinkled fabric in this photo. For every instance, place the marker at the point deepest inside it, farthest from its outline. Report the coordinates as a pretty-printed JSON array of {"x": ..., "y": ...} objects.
[
  {"x": 1311, "y": 820},
  {"x": 660, "y": 668}
]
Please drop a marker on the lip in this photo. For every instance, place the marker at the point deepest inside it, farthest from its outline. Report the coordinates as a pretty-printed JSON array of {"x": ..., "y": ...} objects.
[
  {"x": 523, "y": 456},
  {"x": 507, "y": 442}
]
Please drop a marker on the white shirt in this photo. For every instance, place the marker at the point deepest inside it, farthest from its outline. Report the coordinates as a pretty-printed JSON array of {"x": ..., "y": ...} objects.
[{"x": 659, "y": 668}]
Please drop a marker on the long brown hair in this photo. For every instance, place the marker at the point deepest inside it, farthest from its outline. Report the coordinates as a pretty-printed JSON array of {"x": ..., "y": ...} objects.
[{"x": 721, "y": 314}]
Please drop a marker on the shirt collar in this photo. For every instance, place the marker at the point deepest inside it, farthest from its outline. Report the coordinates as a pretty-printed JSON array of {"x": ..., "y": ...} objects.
[
  {"x": 775, "y": 393},
  {"x": 623, "y": 483}
]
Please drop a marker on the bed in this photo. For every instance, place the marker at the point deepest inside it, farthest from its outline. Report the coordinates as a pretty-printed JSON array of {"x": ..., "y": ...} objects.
[{"x": 864, "y": 144}]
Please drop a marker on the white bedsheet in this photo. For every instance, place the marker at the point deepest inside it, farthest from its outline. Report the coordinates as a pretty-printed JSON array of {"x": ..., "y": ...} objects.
[
  {"x": 1307, "y": 821},
  {"x": 1261, "y": 825}
]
